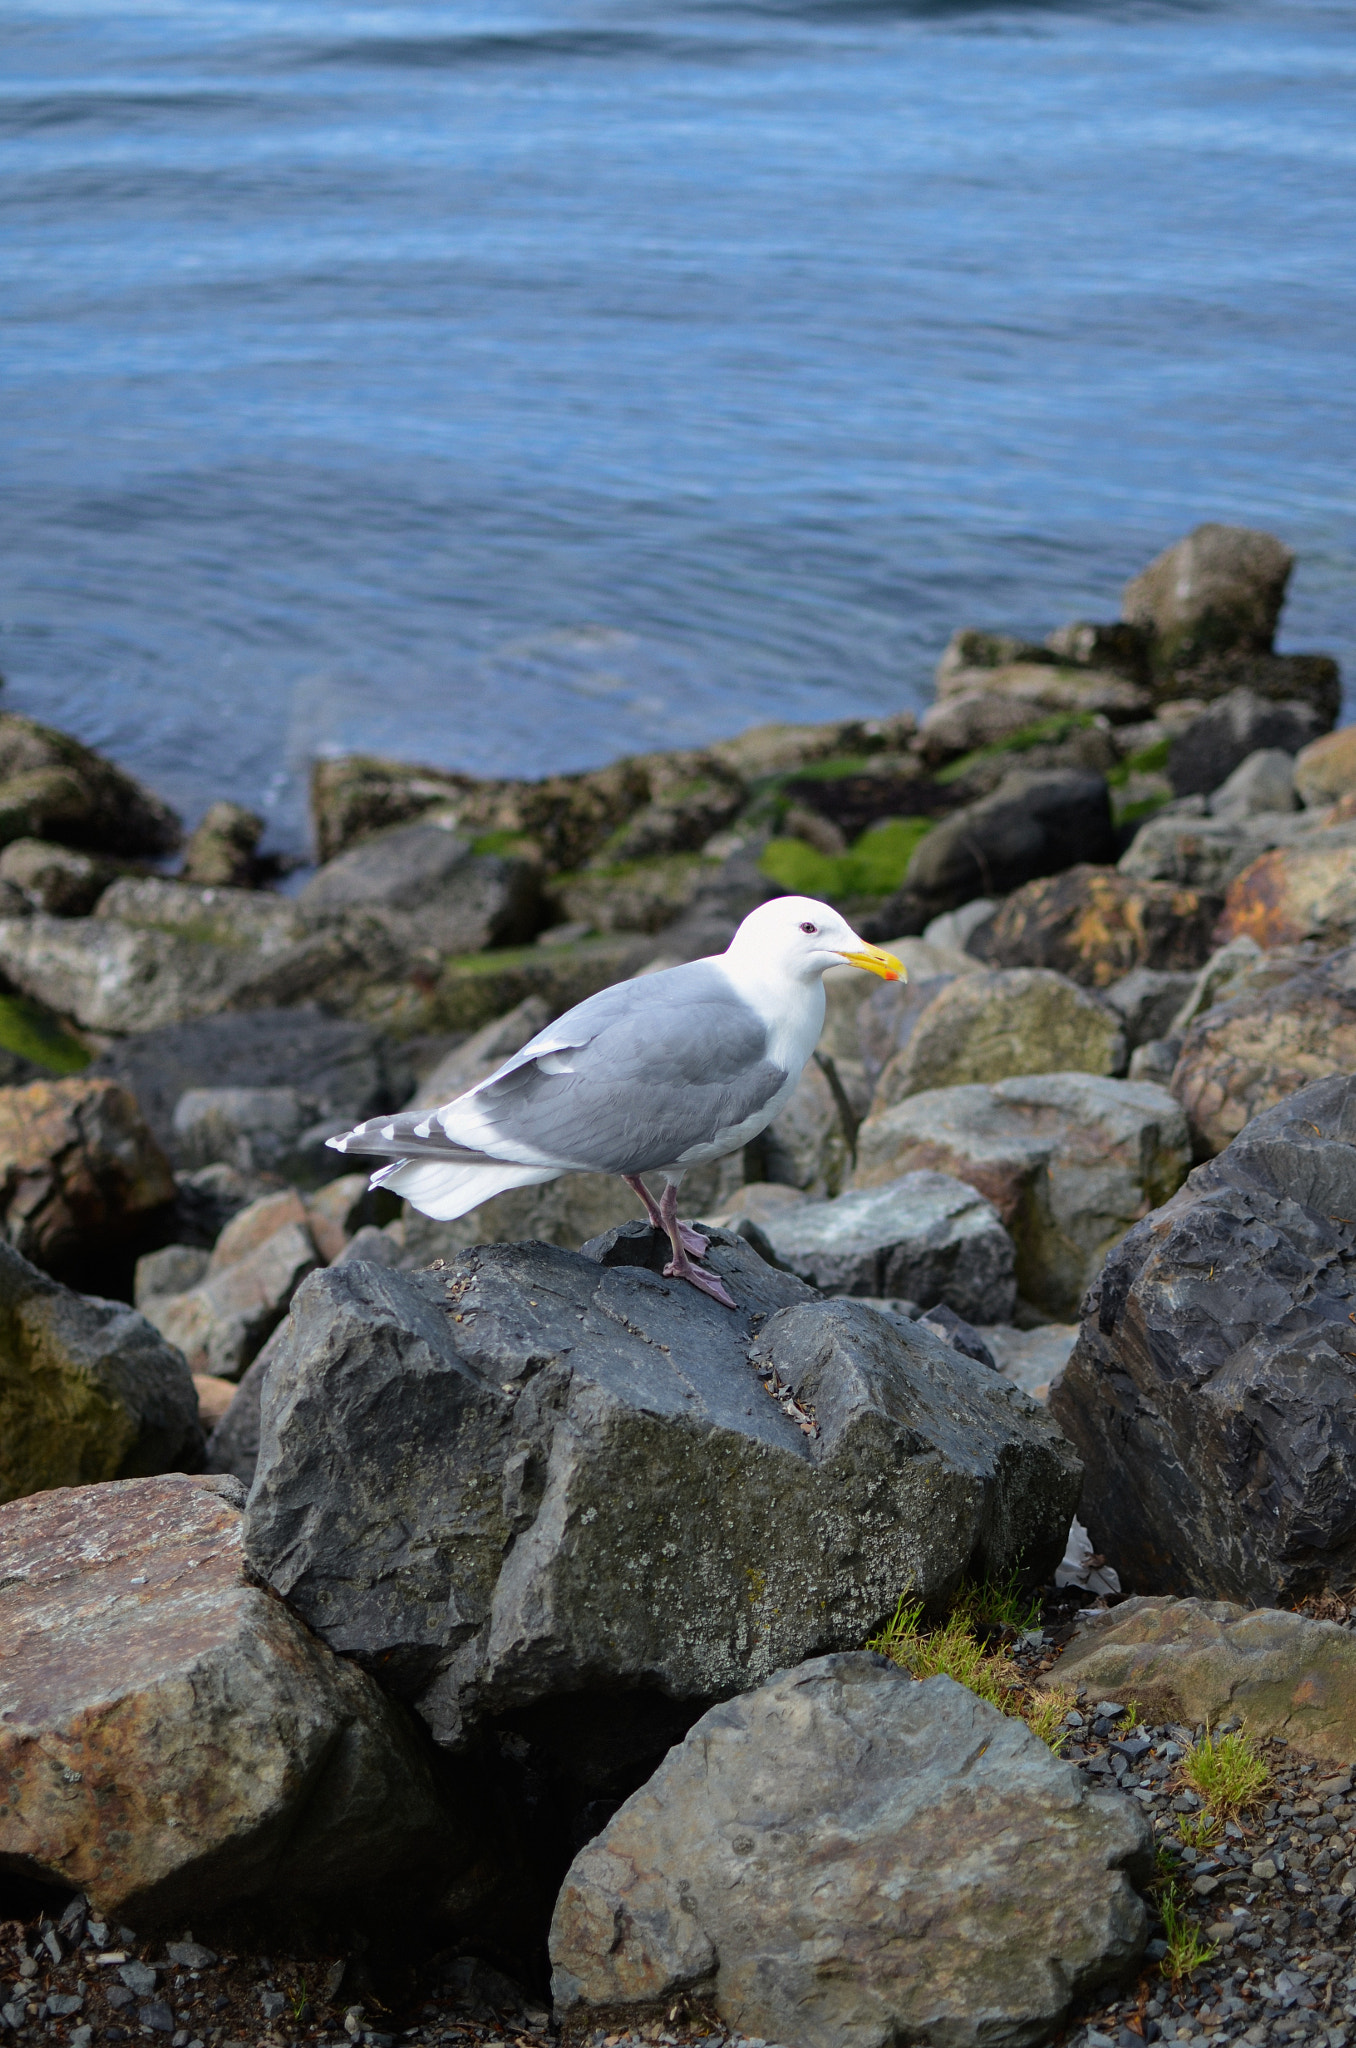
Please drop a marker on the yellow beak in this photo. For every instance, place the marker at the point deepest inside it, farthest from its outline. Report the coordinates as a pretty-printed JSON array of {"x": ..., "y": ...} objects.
[{"x": 877, "y": 961}]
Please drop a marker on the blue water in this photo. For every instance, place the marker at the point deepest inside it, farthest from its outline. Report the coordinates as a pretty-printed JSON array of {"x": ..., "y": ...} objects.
[{"x": 513, "y": 386}]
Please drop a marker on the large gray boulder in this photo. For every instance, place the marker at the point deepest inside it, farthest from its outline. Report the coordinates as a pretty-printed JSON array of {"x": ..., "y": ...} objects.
[
  {"x": 1219, "y": 589},
  {"x": 849, "y": 1855},
  {"x": 562, "y": 1492},
  {"x": 1032, "y": 825},
  {"x": 1212, "y": 1392},
  {"x": 1206, "y": 752},
  {"x": 988, "y": 1027},
  {"x": 88, "y": 1389},
  {"x": 926, "y": 1235},
  {"x": 174, "y": 1742},
  {"x": 429, "y": 887}
]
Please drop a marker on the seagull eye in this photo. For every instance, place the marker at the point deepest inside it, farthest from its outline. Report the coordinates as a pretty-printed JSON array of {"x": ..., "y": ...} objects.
[{"x": 812, "y": 928}]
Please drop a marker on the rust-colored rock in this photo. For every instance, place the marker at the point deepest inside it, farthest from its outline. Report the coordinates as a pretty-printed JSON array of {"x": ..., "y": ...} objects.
[
  {"x": 1304, "y": 891},
  {"x": 260, "y": 1260},
  {"x": 79, "y": 1170},
  {"x": 1095, "y": 924},
  {"x": 1249, "y": 1054},
  {"x": 172, "y": 1739}
]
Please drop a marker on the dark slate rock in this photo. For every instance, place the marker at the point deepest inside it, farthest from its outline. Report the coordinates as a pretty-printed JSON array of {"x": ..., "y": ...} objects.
[
  {"x": 960, "y": 1335},
  {"x": 542, "y": 1489},
  {"x": 347, "y": 1070},
  {"x": 1032, "y": 825},
  {"x": 1212, "y": 1391},
  {"x": 1207, "y": 751}
]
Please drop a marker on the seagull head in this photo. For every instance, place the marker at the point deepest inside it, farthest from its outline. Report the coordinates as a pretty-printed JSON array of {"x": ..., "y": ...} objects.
[{"x": 802, "y": 939}]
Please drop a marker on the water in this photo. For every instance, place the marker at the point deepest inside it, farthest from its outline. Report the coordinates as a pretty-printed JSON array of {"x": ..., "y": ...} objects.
[{"x": 510, "y": 387}]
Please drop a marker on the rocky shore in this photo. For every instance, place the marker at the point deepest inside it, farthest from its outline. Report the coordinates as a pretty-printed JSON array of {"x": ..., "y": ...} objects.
[{"x": 453, "y": 1632}]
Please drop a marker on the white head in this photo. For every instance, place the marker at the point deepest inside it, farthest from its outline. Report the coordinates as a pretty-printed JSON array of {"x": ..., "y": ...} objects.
[{"x": 795, "y": 936}]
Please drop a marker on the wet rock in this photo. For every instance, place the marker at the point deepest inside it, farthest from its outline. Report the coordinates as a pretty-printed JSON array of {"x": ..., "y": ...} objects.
[
  {"x": 347, "y": 1070},
  {"x": 428, "y": 888},
  {"x": 139, "y": 1652},
  {"x": 1219, "y": 589},
  {"x": 1207, "y": 751},
  {"x": 1031, "y": 825},
  {"x": 804, "y": 1835},
  {"x": 1069, "y": 1162},
  {"x": 559, "y": 1419},
  {"x": 926, "y": 1235},
  {"x": 52, "y": 787},
  {"x": 985, "y": 1027},
  {"x": 1213, "y": 1388},
  {"x": 1303, "y": 891},
  {"x": 56, "y": 879},
  {"x": 221, "y": 852},
  {"x": 1095, "y": 924},
  {"x": 1250, "y": 1053},
  {"x": 1200, "y": 1662},
  {"x": 260, "y": 1260},
  {"x": 1146, "y": 1001},
  {"x": 1325, "y": 770},
  {"x": 88, "y": 1389},
  {"x": 82, "y": 1178}
]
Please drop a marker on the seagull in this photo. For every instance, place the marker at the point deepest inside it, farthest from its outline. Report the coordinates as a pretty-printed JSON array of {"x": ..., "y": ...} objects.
[{"x": 653, "y": 1075}]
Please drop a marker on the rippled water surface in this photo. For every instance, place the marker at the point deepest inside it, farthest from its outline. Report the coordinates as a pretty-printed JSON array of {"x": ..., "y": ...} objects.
[{"x": 513, "y": 386}]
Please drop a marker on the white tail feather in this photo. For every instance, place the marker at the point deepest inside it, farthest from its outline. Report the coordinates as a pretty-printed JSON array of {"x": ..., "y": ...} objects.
[{"x": 450, "y": 1190}]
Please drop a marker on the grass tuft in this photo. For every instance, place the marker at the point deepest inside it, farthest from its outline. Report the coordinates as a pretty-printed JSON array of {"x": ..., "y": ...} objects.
[
  {"x": 955, "y": 1651},
  {"x": 1186, "y": 1948},
  {"x": 1199, "y": 1830},
  {"x": 1226, "y": 1772},
  {"x": 998, "y": 1603}
]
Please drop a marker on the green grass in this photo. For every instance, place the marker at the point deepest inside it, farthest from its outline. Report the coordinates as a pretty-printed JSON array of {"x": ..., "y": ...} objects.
[
  {"x": 874, "y": 865},
  {"x": 955, "y": 1651},
  {"x": 1199, "y": 1830},
  {"x": 1042, "y": 732},
  {"x": 1186, "y": 1949},
  {"x": 998, "y": 1603},
  {"x": 34, "y": 1034},
  {"x": 1227, "y": 1773}
]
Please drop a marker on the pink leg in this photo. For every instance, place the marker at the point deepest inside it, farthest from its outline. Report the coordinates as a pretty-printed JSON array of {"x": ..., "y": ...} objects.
[
  {"x": 680, "y": 1266},
  {"x": 693, "y": 1241}
]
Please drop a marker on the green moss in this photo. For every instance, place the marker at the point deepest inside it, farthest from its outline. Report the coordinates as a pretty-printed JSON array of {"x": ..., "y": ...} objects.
[
  {"x": 875, "y": 865},
  {"x": 505, "y": 843},
  {"x": 1042, "y": 732},
  {"x": 1148, "y": 761},
  {"x": 835, "y": 770},
  {"x": 1135, "y": 813},
  {"x": 34, "y": 1034}
]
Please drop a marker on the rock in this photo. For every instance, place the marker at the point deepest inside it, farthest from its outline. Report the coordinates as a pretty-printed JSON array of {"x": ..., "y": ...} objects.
[
  {"x": 1219, "y": 589},
  {"x": 260, "y": 1260},
  {"x": 615, "y": 1504},
  {"x": 221, "y": 851},
  {"x": 172, "y": 1270},
  {"x": 82, "y": 1178},
  {"x": 1303, "y": 891},
  {"x": 1069, "y": 1162},
  {"x": 1146, "y": 1001},
  {"x": 983, "y": 718},
  {"x": 925, "y": 1235},
  {"x": 634, "y": 896},
  {"x": 52, "y": 787},
  {"x": 347, "y": 1070},
  {"x": 1325, "y": 770},
  {"x": 476, "y": 989},
  {"x": 206, "y": 1201},
  {"x": 1032, "y": 825},
  {"x": 1031, "y": 1359},
  {"x": 692, "y": 796},
  {"x": 810, "y": 1145},
  {"x": 477, "y": 1057},
  {"x": 1314, "y": 680},
  {"x": 428, "y": 888},
  {"x": 1250, "y": 1053},
  {"x": 953, "y": 1330},
  {"x": 1125, "y": 649},
  {"x": 337, "y": 1212},
  {"x": 55, "y": 878},
  {"x": 214, "y": 1398},
  {"x": 1205, "y": 753},
  {"x": 257, "y": 1130},
  {"x": 88, "y": 1389},
  {"x": 973, "y": 652},
  {"x": 1095, "y": 924},
  {"x": 140, "y": 1654},
  {"x": 1205, "y": 854},
  {"x": 1037, "y": 679},
  {"x": 1200, "y": 1662},
  {"x": 804, "y": 1837},
  {"x": 378, "y": 1247},
  {"x": 1213, "y": 1388},
  {"x": 985, "y": 1027},
  {"x": 233, "y": 1446},
  {"x": 1264, "y": 782},
  {"x": 781, "y": 749},
  {"x": 109, "y": 977},
  {"x": 954, "y": 928}
]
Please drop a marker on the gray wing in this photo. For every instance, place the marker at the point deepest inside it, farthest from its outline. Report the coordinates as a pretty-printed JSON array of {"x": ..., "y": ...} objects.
[{"x": 628, "y": 1080}]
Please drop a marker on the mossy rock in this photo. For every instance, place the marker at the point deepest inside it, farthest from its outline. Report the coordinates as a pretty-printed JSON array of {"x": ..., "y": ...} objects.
[
  {"x": 33, "y": 1035},
  {"x": 633, "y": 896},
  {"x": 874, "y": 866}
]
